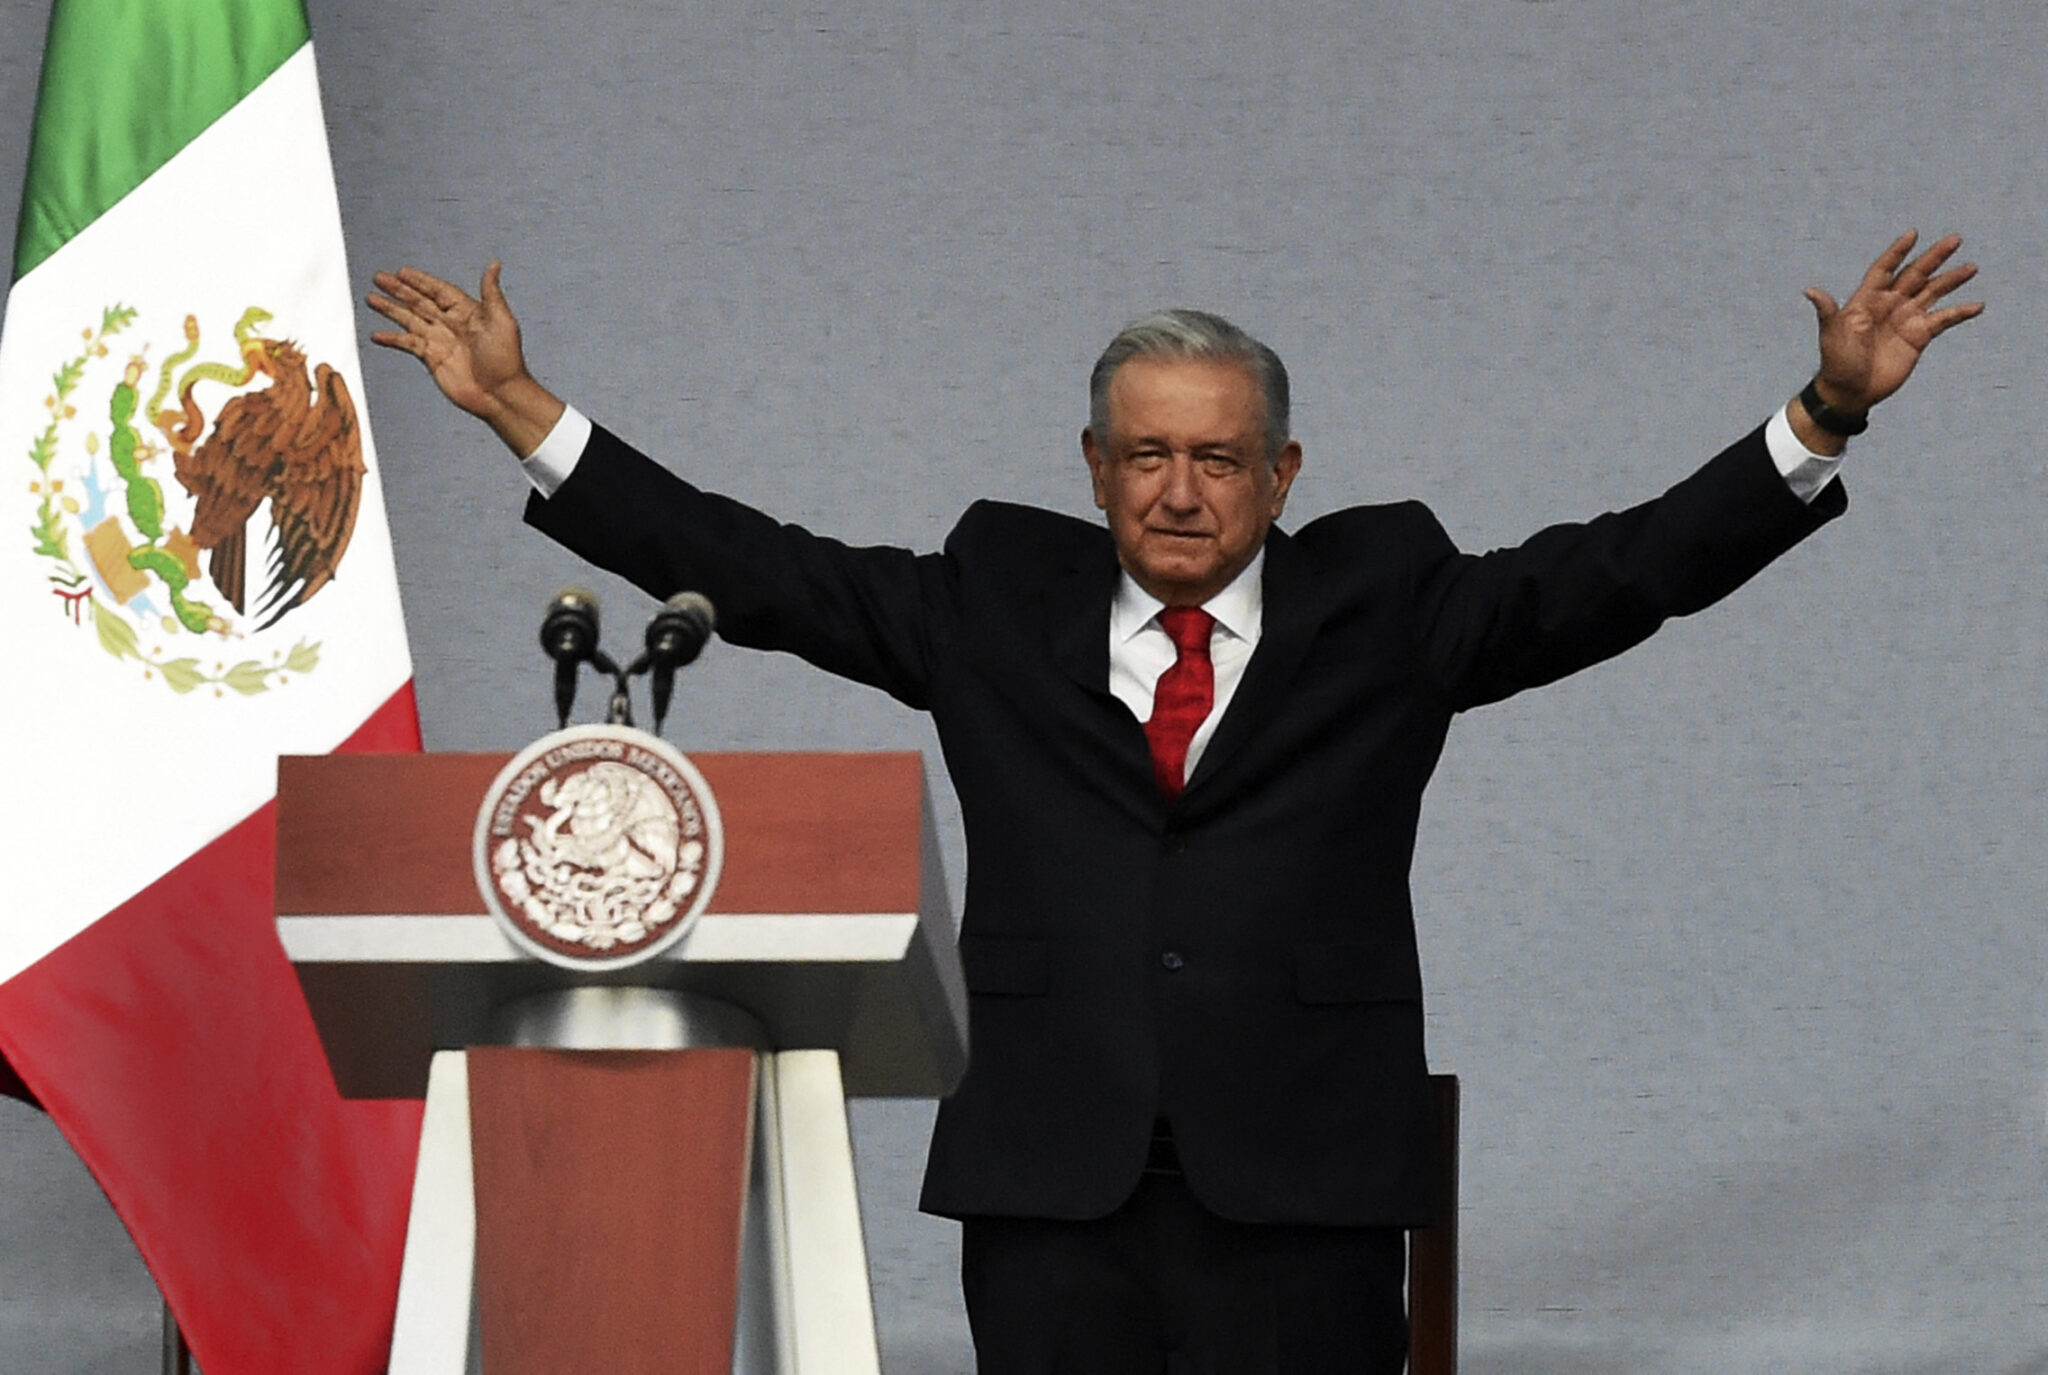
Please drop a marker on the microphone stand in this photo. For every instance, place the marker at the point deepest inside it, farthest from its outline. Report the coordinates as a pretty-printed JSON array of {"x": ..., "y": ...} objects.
[{"x": 569, "y": 634}]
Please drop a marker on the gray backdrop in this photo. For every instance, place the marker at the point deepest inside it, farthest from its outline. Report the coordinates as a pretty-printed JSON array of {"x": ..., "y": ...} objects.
[{"x": 1733, "y": 940}]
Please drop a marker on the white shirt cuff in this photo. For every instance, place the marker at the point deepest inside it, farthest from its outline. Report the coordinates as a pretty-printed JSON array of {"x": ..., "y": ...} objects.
[
  {"x": 549, "y": 466},
  {"x": 1805, "y": 471}
]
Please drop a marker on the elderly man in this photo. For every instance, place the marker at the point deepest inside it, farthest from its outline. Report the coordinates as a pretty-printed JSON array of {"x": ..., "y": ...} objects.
[{"x": 1190, "y": 751}]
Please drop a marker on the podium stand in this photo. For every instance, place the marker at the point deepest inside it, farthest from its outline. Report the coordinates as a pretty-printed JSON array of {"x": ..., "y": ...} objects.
[{"x": 586, "y": 1198}]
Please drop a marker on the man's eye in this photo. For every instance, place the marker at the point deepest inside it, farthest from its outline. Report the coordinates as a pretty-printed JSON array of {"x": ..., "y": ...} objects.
[
  {"x": 1220, "y": 465},
  {"x": 1147, "y": 462}
]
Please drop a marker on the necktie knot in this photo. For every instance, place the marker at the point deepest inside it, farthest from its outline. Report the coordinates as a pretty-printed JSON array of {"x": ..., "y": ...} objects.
[
  {"x": 1183, "y": 696},
  {"x": 1189, "y": 627}
]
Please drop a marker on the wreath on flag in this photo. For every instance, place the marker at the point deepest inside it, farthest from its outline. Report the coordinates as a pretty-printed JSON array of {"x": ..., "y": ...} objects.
[{"x": 162, "y": 568}]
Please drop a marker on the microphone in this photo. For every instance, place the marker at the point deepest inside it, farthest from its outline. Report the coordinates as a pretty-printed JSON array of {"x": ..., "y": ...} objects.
[
  {"x": 675, "y": 637},
  {"x": 568, "y": 632}
]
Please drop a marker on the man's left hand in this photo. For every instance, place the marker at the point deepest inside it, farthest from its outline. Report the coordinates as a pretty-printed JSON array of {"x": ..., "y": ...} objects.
[{"x": 1870, "y": 346}]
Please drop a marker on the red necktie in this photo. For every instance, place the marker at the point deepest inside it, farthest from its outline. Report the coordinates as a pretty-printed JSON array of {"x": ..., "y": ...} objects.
[{"x": 1181, "y": 701}]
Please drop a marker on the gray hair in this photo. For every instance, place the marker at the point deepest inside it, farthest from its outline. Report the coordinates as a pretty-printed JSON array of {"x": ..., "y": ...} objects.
[{"x": 1194, "y": 334}]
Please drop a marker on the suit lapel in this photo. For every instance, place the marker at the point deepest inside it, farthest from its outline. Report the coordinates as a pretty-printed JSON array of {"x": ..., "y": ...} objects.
[
  {"x": 1077, "y": 606},
  {"x": 1077, "y": 618},
  {"x": 1289, "y": 618}
]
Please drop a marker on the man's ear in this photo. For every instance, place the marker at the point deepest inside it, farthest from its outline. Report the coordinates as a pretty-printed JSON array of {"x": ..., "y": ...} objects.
[
  {"x": 1284, "y": 469},
  {"x": 1096, "y": 458}
]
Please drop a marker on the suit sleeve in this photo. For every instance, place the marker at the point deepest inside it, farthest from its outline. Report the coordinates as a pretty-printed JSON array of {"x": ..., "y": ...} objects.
[
  {"x": 876, "y": 615},
  {"x": 1492, "y": 625}
]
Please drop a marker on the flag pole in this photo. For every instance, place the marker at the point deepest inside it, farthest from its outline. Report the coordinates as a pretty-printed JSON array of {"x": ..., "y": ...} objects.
[{"x": 177, "y": 1355}]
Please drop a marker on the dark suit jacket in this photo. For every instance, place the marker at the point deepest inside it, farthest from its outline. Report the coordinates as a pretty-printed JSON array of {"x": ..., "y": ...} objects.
[{"x": 1243, "y": 961}]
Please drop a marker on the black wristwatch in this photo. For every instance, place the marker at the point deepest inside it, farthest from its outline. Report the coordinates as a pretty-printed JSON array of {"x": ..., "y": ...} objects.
[{"x": 1828, "y": 418}]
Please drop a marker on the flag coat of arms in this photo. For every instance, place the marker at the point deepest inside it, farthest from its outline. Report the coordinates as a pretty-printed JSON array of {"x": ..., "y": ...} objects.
[{"x": 197, "y": 572}]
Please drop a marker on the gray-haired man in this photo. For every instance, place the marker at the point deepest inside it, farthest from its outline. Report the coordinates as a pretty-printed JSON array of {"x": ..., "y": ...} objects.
[{"x": 1190, "y": 751}]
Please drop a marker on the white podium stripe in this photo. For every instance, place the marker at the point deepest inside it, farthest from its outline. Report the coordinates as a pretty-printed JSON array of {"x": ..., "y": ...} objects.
[
  {"x": 832, "y": 1316},
  {"x": 437, "y": 1289}
]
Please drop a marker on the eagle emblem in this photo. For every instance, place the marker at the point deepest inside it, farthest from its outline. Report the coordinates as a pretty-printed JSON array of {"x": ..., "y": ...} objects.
[
  {"x": 197, "y": 519},
  {"x": 597, "y": 847}
]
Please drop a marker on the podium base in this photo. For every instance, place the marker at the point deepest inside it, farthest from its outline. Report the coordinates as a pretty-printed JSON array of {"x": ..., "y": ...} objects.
[{"x": 657, "y": 1192}]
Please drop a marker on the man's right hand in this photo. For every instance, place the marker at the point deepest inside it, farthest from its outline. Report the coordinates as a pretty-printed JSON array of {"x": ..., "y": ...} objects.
[{"x": 471, "y": 349}]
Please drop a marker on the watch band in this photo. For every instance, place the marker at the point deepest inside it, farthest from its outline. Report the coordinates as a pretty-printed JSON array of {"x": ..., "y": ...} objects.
[{"x": 1828, "y": 418}]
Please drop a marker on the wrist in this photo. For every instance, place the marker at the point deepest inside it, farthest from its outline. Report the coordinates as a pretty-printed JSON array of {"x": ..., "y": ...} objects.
[
  {"x": 1834, "y": 409},
  {"x": 521, "y": 412},
  {"x": 1816, "y": 440}
]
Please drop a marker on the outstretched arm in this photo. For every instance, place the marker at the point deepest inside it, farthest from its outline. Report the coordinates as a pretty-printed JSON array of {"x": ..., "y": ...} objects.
[
  {"x": 1870, "y": 345},
  {"x": 470, "y": 345}
]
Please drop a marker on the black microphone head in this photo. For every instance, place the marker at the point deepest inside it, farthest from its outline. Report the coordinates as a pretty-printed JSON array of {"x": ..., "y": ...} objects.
[
  {"x": 678, "y": 631},
  {"x": 568, "y": 631},
  {"x": 676, "y": 636}
]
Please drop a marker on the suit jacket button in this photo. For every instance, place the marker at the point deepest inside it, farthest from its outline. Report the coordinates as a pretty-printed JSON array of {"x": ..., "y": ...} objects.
[{"x": 1172, "y": 961}]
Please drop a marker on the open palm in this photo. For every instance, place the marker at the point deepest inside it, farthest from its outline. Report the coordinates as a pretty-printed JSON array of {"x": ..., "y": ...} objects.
[
  {"x": 470, "y": 344},
  {"x": 1870, "y": 345}
]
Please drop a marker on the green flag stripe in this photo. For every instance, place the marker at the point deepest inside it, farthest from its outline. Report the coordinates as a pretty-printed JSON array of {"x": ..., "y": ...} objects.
[{"x": 126, "y": 84}]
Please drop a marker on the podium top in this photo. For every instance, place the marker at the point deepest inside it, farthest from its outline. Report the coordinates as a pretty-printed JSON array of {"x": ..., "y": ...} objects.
[
  {"x": 390, "y": 833},
  {"x": 829, "y": 923}
]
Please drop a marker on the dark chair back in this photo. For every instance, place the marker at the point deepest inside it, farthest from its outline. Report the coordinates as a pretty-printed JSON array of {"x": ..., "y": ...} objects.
[{"x": 1433, "y": 1254}]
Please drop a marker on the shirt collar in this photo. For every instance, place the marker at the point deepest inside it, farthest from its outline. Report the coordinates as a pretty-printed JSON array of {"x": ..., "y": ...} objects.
[{"x": 1239, "y": 608}]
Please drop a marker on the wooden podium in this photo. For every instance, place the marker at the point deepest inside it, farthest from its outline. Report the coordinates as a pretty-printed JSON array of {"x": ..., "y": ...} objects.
[{"x": 642, "y": 1170}]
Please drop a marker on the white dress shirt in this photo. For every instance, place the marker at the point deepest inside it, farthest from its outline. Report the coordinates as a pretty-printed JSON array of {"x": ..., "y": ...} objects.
[{"x": 1140, "y": 650}]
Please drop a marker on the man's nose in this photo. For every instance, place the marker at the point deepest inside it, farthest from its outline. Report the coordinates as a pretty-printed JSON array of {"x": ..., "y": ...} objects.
[{"x": 1183, "y": 492}]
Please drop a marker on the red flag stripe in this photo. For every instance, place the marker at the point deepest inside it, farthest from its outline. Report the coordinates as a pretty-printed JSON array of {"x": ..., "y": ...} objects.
[{"x": 171, "y": 1043}]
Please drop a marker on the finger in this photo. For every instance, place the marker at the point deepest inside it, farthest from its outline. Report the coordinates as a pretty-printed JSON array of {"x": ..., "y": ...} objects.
[
  {"x": 1941, "y": 286},
  {"x": 1824, "y": 305},
  {"x": 1923, "y": 267},
  {"x": 493, "y": 293},
  {"x": 1950, "y": 316},
  {"x": 393, "y": 311},
  {"x": 404, "y": 343},
  {"x": 389, "y": 284},
  {"x": 409, "y": 297},
  {"x": 384, "y": 306},
  {"x": 1887, "y": 265},
  {"x": 446, "y": 295}
]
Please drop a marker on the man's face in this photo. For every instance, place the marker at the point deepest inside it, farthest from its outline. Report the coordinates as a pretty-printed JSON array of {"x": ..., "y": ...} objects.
[{"x": 1183, "y": 476}]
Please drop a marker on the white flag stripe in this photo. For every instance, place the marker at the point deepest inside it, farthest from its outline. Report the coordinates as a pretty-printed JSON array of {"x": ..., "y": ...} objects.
[{"x": 110, "y": 762}]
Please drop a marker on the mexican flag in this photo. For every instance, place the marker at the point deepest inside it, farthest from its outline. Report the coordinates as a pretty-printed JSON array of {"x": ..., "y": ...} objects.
[{"x": 197, "y": 577}]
